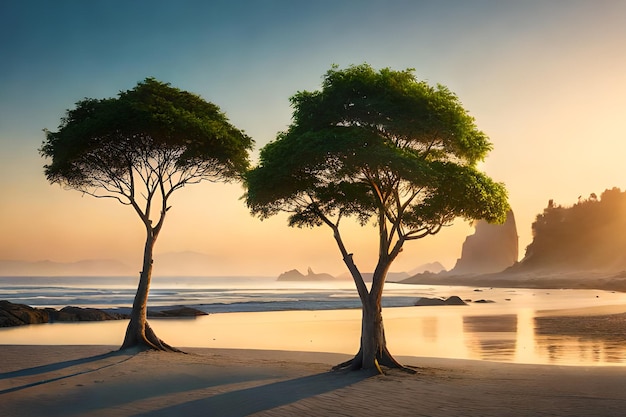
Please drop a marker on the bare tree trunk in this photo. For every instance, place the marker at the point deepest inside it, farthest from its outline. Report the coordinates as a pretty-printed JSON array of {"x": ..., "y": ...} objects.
[
  {"x": 139, "y": 333},
  {"x": 373, "y": 352},
  {"x": 372, "y": 334}
]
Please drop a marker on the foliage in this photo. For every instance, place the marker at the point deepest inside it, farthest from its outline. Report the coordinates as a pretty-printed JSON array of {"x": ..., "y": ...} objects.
[
  {"x": 139, "y": 148},
  {"x": 377, "y": 145},
  {"x": 588, "y": 234},
  {"x": 154, "y": 134}
]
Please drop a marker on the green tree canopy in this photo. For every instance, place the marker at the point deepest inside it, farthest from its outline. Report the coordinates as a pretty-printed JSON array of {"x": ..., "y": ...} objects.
[
  {"x": 139, "y": 148},
  {"x": 151, "y": 131},
  {"x": 382, "y": 146}
]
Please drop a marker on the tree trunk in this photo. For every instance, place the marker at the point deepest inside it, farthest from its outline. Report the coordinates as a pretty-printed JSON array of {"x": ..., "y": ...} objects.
[
  {"x": 372, "y": 334},
  {"x": 139, "y": 333},
  {"x": 373, "y": 352}
]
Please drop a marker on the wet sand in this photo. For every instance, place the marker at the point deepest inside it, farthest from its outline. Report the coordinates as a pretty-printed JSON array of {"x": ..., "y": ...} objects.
[{"x": 98, "y": 381}]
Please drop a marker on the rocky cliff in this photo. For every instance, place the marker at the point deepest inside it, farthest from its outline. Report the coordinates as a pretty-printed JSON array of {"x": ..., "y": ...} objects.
[
  {"x": 587, "y": 236},
  {"x": 492, "y": 248}
]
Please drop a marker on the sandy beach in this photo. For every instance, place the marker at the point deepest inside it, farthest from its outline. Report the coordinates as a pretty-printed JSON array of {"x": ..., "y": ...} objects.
[
  {"x": 98, "y": 381},
  {"x": 273, "y": 363}
]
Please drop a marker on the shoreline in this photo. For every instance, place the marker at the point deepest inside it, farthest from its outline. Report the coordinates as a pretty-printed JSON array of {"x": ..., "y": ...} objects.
[
  {"x": 560, "y": 336},
  {"x": 90, "y": 380},
  {"x": 532, "y": 279}
]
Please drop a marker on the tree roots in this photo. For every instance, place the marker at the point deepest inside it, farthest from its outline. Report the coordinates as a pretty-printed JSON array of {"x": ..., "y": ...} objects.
[
  {"x": 383, "y": 358},
  {"x": 146, "y": 340}
]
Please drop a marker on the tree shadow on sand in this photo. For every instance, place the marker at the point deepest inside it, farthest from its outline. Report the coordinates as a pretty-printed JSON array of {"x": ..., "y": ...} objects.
[
  {"x": 265, "y": 397},
  {"x": 54, "y": 367}
]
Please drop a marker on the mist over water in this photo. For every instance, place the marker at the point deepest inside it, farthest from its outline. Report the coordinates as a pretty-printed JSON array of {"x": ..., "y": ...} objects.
[{"x": 262, "y": 313}]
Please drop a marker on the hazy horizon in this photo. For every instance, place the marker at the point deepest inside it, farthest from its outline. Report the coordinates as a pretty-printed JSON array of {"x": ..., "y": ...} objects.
[
  {"x": 544, "y": 80},
  {"x": 166, "y": 264}
]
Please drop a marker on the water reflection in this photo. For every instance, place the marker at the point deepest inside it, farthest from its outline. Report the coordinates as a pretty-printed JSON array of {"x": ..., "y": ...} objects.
[
  {"x": 429, "y": 329},
  {"x": 596, "y": 339},
  {"x": 491, "y": 337},
  {"x": 511, "y": 335},
  {"x": 524, "y": 338}
]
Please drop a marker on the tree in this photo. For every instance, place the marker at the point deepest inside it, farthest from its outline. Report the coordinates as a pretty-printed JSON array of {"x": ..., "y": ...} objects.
[
  {"x": 139, "y": 148},
  {"x": 581, "y": 236},
  {"x": 378, "y": 146}
]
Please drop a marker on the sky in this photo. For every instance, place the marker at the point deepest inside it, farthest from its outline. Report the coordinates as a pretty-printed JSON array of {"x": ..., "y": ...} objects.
[{"x": 545, "y": 80}]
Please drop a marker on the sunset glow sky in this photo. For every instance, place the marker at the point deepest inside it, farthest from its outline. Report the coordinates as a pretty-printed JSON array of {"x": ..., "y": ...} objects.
[{"x": 545, "y": 80}]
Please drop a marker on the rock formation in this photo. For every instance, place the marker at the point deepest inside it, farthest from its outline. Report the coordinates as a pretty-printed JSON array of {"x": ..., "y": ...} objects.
[
  {"x": 12, "y": 314},
  {"x": 586, "y": 236},
  {"x": 20, "y": 314},
  {"x": 71, "y": 313},
  {"x": 295, "y": 275},
  {"x": 492, "y": 248},
  {"x": 178, "y": 311},
  {"x": 450, "y": 301}
]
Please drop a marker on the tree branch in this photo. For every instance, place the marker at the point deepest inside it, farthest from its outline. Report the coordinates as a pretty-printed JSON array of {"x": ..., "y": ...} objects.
[{"x": 347, "y": 257}]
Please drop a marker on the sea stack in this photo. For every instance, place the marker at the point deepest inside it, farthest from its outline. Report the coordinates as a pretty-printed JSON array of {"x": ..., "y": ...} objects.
[{"x": 492, "y": 248}]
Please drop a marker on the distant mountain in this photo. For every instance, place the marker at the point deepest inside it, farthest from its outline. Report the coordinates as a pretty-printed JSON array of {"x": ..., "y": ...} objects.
[
  {"x": 295, "y": 275},
  {"x": 165, "y": 264},
  {"x": 432, "y": 267},
  {"x": 391, "y": 276},
  {"x": 368, "y": 276},
  {"x": 186, "y": 263},
  {"x": 91, "y": 267}
]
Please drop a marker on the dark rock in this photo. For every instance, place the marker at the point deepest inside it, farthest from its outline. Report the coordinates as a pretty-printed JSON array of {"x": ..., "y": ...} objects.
[
  {"x": 425, "y": 301},
  {"x": 57, "y": 315},
  {"x": 20, "y": 314},
  {"x": 455, "y": 301},
  {"x": 180, "y": 311},
  {"x": 450, "y": 301},
  {"x": 71, "y": 313},
  {"x": 484, "y": 301}
]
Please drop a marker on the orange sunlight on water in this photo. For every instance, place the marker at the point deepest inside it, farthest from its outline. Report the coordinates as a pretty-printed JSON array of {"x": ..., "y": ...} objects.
[{"x": 461, "y": 332}]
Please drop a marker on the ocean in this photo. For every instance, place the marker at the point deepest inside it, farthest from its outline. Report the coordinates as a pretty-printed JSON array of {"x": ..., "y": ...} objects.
[
  {"x": 209, "y": 294},
  {"x": 263, "y": 313}
]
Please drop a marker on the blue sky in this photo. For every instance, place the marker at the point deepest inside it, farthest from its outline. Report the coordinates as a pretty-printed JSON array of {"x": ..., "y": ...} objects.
[{"x": 544, "y": 79}]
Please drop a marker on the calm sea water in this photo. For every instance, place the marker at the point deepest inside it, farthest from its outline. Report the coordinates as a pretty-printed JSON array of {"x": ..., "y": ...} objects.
[
  {"x": 324, "y": 316},
  {"x": 209, "y": 294}
]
